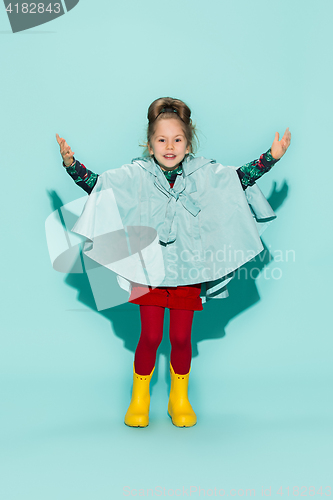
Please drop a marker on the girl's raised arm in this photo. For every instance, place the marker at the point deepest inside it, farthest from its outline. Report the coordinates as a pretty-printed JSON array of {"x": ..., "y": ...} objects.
[
  {"x": 83, "y": 177},
  {"x": 251, "y": 172}
]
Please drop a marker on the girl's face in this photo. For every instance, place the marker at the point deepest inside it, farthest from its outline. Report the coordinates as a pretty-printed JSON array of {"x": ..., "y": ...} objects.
[{"x": 168, "y": 144}]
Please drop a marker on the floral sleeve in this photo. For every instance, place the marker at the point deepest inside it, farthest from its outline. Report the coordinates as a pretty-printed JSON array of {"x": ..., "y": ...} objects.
[
  {"x": 251, "y": 172},
  {"x": 82, "y": 176}
]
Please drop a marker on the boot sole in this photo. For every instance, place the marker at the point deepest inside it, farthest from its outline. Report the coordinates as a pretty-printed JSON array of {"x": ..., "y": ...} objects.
[
  {"x": 136, "y": 426},
  {"x": 181, "y": 425}
]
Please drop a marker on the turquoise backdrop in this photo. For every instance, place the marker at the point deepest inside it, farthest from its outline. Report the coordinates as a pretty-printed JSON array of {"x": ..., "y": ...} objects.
[{"x": 261, "y": 379}]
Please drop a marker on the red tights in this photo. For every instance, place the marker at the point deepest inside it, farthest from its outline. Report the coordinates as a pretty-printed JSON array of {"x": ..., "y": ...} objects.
[{"x": 151, "y": 336}]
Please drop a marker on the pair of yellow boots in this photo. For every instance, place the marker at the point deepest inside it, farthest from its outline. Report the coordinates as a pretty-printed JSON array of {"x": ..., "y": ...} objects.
[{"x": 179, "y": 407}]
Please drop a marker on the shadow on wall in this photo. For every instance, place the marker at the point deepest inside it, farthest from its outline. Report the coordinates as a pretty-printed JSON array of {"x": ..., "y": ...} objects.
[{"x": 208, "y": 324}]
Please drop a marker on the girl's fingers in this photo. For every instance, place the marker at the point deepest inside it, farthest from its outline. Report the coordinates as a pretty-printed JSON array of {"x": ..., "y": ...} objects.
[
  {"x": 285, "y": 141},
  {"x": 65, "y": 147},
  {"x": 60, "y": 140},
  {"x": 62, "y": 143},
  {"x": 65, "y": 150}
]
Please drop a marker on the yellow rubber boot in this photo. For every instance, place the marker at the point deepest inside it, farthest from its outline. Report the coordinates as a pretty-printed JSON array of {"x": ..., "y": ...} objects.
[
  {"x": 179, "y": 407},
  {"x": 137, "y": 414}
]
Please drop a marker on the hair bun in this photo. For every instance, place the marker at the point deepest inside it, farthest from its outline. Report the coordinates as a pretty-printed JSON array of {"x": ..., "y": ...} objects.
[{"x": 168, "y": 109}]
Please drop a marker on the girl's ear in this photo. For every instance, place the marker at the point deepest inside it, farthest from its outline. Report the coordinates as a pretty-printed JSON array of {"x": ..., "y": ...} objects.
[{"x": 151, "y": 152}]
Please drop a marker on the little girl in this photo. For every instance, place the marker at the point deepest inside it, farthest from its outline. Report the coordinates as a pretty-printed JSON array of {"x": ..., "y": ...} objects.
[{"x": 198, "y": 208}]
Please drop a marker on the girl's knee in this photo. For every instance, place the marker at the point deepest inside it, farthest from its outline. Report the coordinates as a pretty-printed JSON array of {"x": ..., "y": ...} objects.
[
  {"x": 151, "y": 338},
  {"x": 180, "y": 340}
]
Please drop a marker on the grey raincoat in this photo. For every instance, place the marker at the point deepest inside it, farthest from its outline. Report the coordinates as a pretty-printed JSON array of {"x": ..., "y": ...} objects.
[{"x": 199, "y": 231}]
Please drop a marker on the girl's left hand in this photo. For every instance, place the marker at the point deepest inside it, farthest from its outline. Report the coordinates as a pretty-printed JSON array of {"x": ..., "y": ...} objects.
[
  {"x": 280, "y": 147},
  {"x": 65, "y": 151}
]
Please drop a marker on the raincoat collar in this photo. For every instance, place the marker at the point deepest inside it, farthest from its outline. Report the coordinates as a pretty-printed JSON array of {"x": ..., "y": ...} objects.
[
  {"x": 190, "y": 164},
  {"x": 168, "y": 231}
]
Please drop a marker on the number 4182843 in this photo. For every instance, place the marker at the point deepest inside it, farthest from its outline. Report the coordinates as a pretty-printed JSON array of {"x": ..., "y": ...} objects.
[{"x": 34, "y": 8}]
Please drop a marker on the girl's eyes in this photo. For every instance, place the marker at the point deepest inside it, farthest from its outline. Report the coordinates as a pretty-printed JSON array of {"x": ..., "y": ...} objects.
[{"x": 161, "y": 140}]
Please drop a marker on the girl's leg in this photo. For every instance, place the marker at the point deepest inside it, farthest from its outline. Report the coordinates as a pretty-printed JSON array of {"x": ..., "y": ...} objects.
[
  {"x": 180, "y": 338},
  {"x": 152, "y": 317},
  {"x": 151, "y": 336},
  {"x": 179, "y": 407}
]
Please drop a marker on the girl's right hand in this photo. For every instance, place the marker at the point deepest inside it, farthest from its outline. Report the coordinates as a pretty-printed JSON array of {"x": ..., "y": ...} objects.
[{"x": 65, "y": 151}]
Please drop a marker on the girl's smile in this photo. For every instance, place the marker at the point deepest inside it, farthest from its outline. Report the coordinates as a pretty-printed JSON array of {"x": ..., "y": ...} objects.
[{"x": 168, "y": 144}]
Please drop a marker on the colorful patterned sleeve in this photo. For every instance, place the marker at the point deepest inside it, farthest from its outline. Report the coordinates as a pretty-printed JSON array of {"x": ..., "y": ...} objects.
[
  {"x": 251, "y": 172},
  {"x": 82, "y": 176}
]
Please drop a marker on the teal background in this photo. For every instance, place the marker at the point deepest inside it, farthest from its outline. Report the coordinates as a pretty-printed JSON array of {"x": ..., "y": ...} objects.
[{"x": 261, "y": 382}]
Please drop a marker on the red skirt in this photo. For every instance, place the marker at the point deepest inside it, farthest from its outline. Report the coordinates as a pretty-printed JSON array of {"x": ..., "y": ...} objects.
[{"x": 173, "y": 297}]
